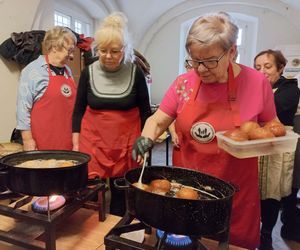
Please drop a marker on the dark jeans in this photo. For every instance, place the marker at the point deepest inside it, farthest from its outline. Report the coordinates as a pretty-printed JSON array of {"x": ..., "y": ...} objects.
[{"x": 269, "y": 213}]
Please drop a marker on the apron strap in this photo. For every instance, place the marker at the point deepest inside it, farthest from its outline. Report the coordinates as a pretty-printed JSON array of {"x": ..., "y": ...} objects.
[{"x": 232, "y": 89}]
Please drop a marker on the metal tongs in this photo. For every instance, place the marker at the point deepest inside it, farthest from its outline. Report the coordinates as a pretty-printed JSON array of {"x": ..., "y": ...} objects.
[
  {"x": 201, "y": 191},
  {"x": 179, "y": 186}
]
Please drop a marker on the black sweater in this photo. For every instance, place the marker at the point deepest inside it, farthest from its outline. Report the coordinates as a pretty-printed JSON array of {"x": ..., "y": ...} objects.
[
  {"x": 286, "y": 99},
  {"x": 138, "y": 97}
]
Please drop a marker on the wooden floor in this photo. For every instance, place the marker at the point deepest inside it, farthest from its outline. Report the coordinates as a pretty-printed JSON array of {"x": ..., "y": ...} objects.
[{"x": 159, "y": 158}]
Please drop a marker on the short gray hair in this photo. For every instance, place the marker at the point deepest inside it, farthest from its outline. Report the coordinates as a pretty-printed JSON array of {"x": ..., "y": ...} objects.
[
  {"x": 215, "y": 28},
  {"x": 56, "y": 37}
]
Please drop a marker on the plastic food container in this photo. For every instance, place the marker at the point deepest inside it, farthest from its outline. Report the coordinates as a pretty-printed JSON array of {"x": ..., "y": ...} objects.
[{"x": 253, "y": 148}]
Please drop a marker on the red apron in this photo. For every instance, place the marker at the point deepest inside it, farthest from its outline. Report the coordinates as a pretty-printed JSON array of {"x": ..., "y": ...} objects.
[
  {"x": 108, "y": 136},
  {"x": 51, "y": 115},
  {"x": 176, "y": 160},
  {"x": 196, "y": 127}
]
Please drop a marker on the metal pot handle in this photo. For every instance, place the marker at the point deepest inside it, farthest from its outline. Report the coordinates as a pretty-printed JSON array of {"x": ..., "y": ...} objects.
[
  {"x": 118, "y": 184},
  {"x": 3, "y": 177}
]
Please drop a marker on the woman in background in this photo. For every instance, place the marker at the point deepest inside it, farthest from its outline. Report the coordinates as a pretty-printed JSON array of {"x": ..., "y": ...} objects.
[
  {"x": 46, "y": 95},
  {"x": 276, "y": 171},
  {"x": 111, "y": 108}
]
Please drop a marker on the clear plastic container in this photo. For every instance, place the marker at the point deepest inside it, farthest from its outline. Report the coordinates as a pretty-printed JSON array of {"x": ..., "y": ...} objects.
[{"x": 252, "y": 148}]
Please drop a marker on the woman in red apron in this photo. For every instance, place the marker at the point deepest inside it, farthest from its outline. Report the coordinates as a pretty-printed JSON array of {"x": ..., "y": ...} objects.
[
  {"x": 47, "y": 94},
  {"x": 111, "y": 107},
  {"x": 217, "y": 95}
]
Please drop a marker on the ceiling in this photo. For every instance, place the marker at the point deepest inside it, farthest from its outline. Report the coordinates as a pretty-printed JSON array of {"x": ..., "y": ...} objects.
[
  {"x": 143, "y": 15},
  {"x": 135, "y": 9}
]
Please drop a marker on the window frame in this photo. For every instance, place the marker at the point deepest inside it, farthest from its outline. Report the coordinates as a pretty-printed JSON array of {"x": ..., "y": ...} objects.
[
  {"x": 58, "y": 14},
  {"x": 85, "y": 27}
]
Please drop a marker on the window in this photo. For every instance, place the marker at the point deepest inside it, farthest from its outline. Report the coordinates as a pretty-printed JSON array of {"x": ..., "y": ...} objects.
[
  {"x": 239, "y": 45},
  {"x": 77, "y": 25},
  {"x": 82, "y": 27},
  {"x": 247, "y": 37},
  {"x": 62, "y": 20}
]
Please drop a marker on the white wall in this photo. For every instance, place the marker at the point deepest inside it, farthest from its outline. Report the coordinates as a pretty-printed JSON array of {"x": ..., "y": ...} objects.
[
  {"x": 15, "y": 16},
  {"x": 161, "y": 44},
  {"x": 278, "y": 25}
]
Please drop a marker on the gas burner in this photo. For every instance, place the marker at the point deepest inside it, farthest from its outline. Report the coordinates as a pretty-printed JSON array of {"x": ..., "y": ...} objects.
[
  {"x": 53, "y": 202},
  {"x": 46, "y": 238},
  {"x": 174, "y": 241}
]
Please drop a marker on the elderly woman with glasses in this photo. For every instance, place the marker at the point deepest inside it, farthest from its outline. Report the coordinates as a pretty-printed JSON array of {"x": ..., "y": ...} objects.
[
  {"x": 218, "y": 94},
  {"x": 111, "y": 108},
  {"x": 46, "y": 95}
]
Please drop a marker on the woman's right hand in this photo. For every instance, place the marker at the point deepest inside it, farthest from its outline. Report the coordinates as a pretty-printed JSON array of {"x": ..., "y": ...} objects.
[
  {"x": 75, "y": 141},
  {"x": 141, "y": 146},
  {"x": 29, "y": 144},
  {"x": 75, "y": 147}
]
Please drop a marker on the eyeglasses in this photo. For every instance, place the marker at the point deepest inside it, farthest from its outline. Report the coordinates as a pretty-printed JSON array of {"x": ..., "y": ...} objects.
[
  {"x": 69, "y": 50},
  {"x": 113, "y": 52},
  {"x": 209, "y": 64}
]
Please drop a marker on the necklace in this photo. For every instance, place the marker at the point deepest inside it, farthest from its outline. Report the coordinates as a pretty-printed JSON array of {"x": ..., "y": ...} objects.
[{"x": 57, "y": 70}]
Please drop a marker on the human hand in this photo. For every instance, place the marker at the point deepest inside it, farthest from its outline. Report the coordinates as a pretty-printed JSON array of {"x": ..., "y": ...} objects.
[
  {"x": 141, "y": 146},
  {"x": 175, "y": 140},
  {"x": 75, "y": 141},
  {"x": 29, "y": 144}
]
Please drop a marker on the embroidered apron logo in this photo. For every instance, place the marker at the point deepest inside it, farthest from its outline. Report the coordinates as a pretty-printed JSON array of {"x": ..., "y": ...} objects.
[
  {"x": 66, "y": 90},
  {"x": 202, "y": 132}
]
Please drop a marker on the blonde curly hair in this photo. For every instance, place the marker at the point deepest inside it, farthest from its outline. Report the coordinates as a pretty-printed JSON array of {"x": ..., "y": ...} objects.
[{"x": 113, "y": 29}]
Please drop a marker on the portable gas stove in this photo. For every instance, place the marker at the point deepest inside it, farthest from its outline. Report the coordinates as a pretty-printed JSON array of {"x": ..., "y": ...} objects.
[
  {"x": 47, "y": 221},
  {"x": 164, "y": 240}
]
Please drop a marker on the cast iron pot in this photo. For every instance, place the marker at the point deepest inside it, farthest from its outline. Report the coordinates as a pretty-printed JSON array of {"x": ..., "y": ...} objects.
[
  {"x": 179, "y": 216},
  {"x": 45, "y": 181},
  {"x": 3, "y": 180}
]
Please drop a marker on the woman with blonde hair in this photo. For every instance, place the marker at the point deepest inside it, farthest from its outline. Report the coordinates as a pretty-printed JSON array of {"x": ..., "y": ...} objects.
[{"x": 111, "y": 107}]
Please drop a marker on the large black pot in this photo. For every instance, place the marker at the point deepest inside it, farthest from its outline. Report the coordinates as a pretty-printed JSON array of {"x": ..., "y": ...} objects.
[
  {"x": 180, "y": 216},
  {"x": 45, "y": 181}
]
